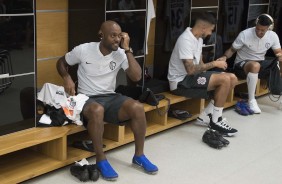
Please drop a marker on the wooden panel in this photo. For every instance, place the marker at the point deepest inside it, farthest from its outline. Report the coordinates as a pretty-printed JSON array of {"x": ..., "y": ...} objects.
[
  {"x": 193, "y": 106},
  {"x": 51, "y": 4},
  {"x": 52, "y": 34},
  {"x": 47, "y": 72},
  {"x": 230, "y": 96},
  {"x": 56, "y": 149},
  {"x": 113, "y": 132},
  {"x": 27, "y": 138},
  {"x": 154, "y": 117}
]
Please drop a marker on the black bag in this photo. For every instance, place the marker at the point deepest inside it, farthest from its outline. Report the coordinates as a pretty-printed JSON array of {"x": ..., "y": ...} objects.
[
  {"x": 271, "y": 73},
  {"x": 150, "y": 98},
  {"x": 144, "y": 96}
]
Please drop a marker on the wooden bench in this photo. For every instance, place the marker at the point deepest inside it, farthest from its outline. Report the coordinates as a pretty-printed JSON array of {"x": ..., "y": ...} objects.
[{"x": 32, "y": 152}]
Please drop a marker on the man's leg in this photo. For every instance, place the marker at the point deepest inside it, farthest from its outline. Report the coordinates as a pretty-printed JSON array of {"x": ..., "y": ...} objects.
[
  {"x": 133, "y": 110},
  {"x": 94, "y": 115},
  {"x": 222, "y": 84},
  {"x": 204, "y": 117},
  {"x": 251, "y": 69}
]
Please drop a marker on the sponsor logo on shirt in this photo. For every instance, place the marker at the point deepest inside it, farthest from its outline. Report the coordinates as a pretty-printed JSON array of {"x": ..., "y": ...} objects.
[{"x": 60, "y": 93}]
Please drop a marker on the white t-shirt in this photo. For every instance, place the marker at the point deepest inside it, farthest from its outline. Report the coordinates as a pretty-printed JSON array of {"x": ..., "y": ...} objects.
[
  {"x": 96, "y": 73},
  {"x": 251, "y": 47},
  {"x": 54, "y": 95},
  {"x": 187, "y": 47}
]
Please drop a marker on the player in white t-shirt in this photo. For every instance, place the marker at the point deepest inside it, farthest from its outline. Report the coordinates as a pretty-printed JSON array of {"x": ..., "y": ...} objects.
[
  {"x": 251, "y": 46},
  {"x": 188, "y": 75},
  {"x": 98, "y": 65}
]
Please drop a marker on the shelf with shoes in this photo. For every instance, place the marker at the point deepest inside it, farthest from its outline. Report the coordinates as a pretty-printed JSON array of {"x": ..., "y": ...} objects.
[{"x": 157, "y": 122}]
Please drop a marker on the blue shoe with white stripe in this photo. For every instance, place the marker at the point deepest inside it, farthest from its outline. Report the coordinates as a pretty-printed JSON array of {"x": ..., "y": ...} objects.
[
  {"x": 106, "y": 170},
  {"x": 142, "y": 161}
]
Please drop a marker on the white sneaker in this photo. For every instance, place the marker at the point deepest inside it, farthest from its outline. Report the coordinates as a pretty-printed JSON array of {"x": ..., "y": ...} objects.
[
  {"x": 254, "y": 106},
  {"x": 203, "y": 119}
]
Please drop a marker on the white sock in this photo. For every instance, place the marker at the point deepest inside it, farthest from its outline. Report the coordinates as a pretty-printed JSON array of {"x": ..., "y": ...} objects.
[
  {"x": 252, "y": 79},
  {"x": 209, "y": 108},
  {"x": 217, "y": 112}
]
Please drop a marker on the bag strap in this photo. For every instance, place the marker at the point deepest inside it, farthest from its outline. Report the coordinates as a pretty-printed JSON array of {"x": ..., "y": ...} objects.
[{"x": 160, "y": 112}]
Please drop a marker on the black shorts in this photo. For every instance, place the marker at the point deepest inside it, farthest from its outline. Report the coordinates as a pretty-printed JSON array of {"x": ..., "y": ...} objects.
[
  {"x": 111, "y": 103},
  {"x": 195, "y": 86},
  {"x": 239, "y": 69}
]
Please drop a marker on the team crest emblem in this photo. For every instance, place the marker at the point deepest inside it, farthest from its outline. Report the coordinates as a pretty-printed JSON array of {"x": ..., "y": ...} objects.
[
  {"x": 112, "y": 65},
  {"x": 267, "y": 45},
  {"x": 202, "y": 80}
]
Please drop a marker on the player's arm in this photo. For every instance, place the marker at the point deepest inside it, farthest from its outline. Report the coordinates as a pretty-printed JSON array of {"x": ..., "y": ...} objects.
[{"x": 278, "y": 54}]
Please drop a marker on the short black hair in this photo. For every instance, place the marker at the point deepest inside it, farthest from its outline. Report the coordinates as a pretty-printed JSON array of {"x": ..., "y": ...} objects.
[
  {"x": 264, "y": 20},
  {"x": 207, "y": 17}
]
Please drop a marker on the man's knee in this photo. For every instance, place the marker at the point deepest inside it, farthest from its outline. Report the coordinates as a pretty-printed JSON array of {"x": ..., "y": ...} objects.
[
  {"x": 233, "y": 78},
  {"x": 93, "y": 110},
  {"x": 225, "y": 78},
  {"x": 134, "y": 109},
  {"x": 137, "y": 107},
  {"x": 252, "y": 66}
]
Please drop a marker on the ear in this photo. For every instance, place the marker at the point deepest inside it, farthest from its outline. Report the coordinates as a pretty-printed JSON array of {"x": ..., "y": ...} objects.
[{"x": 100, "y": 34}]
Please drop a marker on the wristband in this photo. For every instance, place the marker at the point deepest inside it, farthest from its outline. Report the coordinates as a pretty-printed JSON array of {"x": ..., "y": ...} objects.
[{"x": 128, "y": 50}]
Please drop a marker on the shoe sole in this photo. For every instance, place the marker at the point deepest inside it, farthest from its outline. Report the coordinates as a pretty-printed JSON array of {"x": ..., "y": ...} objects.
[
  {"x": 239, "y": 112},
  {"x": 214, "y": 146},
  {"x": 141, "y": 168},
  {"x": 80, "y": 178},
  {"x": 200, "y": 122},
  {"x": 229, "y": 134},
  {"x": 257, "y": 112},
  {"x": 108, "y": 179}
]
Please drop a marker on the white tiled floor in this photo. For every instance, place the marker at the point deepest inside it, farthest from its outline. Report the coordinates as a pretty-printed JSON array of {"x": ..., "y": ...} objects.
[{"x": 254, "y": 156}]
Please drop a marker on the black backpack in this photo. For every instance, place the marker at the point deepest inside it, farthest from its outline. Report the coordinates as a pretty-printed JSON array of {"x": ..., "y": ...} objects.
[{"x": 270, "y": 71}]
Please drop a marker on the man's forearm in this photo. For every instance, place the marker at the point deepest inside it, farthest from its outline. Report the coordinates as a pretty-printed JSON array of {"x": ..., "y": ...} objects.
[
  {"x": 193, "y": 69},
  {"x": 134, "y": 70},
  {"x": 62, "y": 68},
  {"x": 229, "y": 53}
]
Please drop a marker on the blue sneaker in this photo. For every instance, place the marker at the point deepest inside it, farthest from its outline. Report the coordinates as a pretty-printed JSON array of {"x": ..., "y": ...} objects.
[
  {"x": 240, "y": 109},
  {"x": 246, "y": 106},
  {"x": 106, "y": 170},
  {"x": 142, "y": 161}
]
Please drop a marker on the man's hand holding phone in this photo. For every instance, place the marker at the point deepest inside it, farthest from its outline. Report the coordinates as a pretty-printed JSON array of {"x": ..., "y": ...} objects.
[{"x": 124, "y": 43}]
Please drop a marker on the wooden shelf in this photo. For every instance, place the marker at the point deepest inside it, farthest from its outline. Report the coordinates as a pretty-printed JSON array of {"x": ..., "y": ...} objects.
[
  {"x": 27, "y": 138},
  {"x": 25, "y": 164},
  {"x": 47, "y": 149}
]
